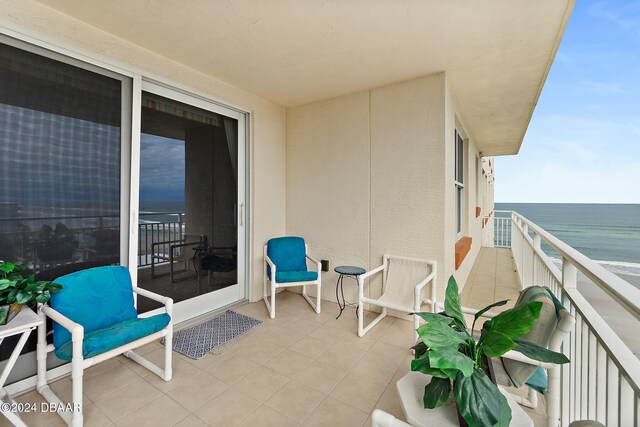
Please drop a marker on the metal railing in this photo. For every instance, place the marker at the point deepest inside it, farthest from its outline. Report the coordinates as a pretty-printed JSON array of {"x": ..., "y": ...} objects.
[
  {"x": 602, "y": 382},
  {"x": 152, "y": 233},
  {"x": 163, "y": 227}
]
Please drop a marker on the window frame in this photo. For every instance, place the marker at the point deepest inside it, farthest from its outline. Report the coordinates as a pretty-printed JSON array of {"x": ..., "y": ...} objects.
[{"x": 458, "y": 180}]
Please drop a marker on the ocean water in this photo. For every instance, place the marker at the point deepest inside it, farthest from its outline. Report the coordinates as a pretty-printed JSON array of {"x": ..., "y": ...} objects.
[{"x": 606, "y": 233}]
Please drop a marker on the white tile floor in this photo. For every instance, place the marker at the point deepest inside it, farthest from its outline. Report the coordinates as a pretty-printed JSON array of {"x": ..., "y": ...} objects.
[{"x": 298, "y": 369}]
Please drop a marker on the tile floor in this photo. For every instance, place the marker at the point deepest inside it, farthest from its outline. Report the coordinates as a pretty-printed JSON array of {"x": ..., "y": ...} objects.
[{"x": 298, "y": 369}]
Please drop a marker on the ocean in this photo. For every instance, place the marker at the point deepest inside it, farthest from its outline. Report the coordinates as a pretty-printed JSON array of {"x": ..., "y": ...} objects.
[{"x": 606, "y": 233}]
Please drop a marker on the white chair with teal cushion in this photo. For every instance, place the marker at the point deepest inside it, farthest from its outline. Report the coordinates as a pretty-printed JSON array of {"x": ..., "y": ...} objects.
[
  {"x": 516, "y": 370},
  {"x": 94, "y": 319},
  {"x": 286, "y": 266}
]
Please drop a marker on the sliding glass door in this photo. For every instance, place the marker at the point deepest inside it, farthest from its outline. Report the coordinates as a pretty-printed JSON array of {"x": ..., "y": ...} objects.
[{"x": 190, "y": 241}]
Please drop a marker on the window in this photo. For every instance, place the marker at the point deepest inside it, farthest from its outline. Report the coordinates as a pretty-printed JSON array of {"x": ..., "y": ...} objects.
[
  {"x": 60, "y": 162},
  {"x": 459, "y": 181}
]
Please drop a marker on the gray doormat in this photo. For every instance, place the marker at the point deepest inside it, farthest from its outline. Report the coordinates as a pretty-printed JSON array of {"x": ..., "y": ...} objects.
[{"x": 199, "y": 340}]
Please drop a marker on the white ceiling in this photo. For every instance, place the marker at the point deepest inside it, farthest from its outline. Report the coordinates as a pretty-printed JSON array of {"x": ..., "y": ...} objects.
[{"x": 496, "y": 52}]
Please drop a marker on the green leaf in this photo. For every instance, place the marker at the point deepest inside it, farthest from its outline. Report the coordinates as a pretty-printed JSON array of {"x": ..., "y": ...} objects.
[
  {"x": 23, "y": 297},
  {"x": 43, "y": 297},
  {"x": 54, "y": 287},
  {"x": 422, "y": 365},
  {"x": 495, "y": 344},
  {"x": 5, "y": 283},
  {"x": 541, "y": 354},
  {"x": 518, "y": 320},
  {"x": 11, "y": 297},
  {"x": 436, "y": 393},
  {"x": 7, "y": 267},
  {"x": 480, "y": 402},
  {"x": 420, "y": 348},
  {"x": 452, "y": 302},
  {"x": 439, "y": 335},
  {"x": 433, "y": 317},
  {"x": 3, "y": 314},
  {"x": 484, "y": 310},
  {"x": 450, "y": 358}
]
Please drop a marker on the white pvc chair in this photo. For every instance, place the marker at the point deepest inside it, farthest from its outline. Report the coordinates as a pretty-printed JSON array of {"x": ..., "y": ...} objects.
[
  {"x": 92, "y": 301},
  {"x": 403, "y": 280},
  {"x": 565, "y": 324},
  {"x": 285, "y": 265}
]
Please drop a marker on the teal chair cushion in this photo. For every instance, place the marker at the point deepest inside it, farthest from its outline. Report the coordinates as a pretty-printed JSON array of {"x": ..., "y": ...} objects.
[
  {"x": 103, "y": 340},
  {"x": 538, "y": 381},
  {"x": 96, "y": 298},
  {"x": 287, "y": 253},
  {"x": 295, "y": 276}
]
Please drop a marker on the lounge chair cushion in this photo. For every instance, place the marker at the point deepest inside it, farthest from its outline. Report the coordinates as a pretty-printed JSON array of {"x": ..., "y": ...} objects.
[
  {"x": 114, "y": 336},
  {"x": 540, "y": 334},
  {"x": 96, "y": 298},
  {"x": 287, "y": 253},
  {"x": 295, "y": 276}
]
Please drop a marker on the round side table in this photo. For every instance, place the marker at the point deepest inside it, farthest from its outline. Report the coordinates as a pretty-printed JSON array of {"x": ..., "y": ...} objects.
[{"x": 346, "y": 271}]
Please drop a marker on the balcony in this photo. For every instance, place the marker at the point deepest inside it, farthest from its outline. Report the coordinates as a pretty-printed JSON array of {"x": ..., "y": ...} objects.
[{"x": 304, "y": 368}]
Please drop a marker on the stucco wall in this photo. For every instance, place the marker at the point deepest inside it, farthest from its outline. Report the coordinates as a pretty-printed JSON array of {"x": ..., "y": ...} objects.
[
  {"x": 471, "y": 226},
  {"x": 365, "y": 176},
  {"x": 267, "y": 163}
]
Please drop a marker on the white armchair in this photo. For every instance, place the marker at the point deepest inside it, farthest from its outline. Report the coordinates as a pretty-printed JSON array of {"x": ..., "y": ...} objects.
[
  {"x": 403, "y": 282},
  {"x": 95, "y": 320},
  {"x": 285, "y": 265}
]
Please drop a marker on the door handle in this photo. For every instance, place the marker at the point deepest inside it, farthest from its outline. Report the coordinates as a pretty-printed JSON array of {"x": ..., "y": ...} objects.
[{"x": 241, "y": 213}]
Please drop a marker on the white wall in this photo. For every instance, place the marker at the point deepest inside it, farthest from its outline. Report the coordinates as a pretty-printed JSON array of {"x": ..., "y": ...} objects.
[
  {"x": 267, "y": 163},
  {"x": 365, "y": 176},
  {"x": 373, "y": 173}
]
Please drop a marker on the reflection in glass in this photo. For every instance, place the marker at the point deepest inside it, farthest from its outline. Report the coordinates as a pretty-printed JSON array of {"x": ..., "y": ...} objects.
[{"x": 188, "y": 195}]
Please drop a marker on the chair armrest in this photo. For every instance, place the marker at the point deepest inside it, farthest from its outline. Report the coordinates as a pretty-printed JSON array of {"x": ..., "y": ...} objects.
[
  {"x": 519, "y": 357},
  {"x": 152, "y": 295},
  {"x": 468, "y": 310},
  {"x": 167, "y": 242},
  {"x": 315, "y": 261},
  {"x": 271, "y": 264},
  {"x": 422, "y": 284},
  {"x": 62, "y": 320},
  {"x": 312, "y": 259},
  {"x": 370, "y": 273}
]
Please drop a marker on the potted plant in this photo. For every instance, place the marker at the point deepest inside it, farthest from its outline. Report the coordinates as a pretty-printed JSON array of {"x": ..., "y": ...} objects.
[
  {"x": 456, "y": 360},
  {"x": 17, "y": 290}
]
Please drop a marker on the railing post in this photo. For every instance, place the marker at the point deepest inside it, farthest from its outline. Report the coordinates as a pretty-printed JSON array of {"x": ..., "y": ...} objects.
[
  {"x": 536, "y": 248},
  {"x": 526, "y": 280},
  {"x": 569, "y": 274}
]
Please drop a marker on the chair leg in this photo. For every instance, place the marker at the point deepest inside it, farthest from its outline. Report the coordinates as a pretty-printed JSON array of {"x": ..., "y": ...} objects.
[
  {"x": 168, "y": 353},
  {"x": 76, "y": 379},
  {"x": 272, "y": 313},
  {"x": 360, "y": 318},
  {"x": 319, "y": 298},
  {"x": 41, "y": 354}
]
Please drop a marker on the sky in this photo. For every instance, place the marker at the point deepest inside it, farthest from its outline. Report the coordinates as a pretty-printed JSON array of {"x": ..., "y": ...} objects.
[
  {"x": 162, "y": 169},
  {"x": 583, "y": 142}
]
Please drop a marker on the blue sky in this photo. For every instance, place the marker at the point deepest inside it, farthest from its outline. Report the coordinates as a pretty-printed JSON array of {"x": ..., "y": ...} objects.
[{"x": 583, "y": 143}]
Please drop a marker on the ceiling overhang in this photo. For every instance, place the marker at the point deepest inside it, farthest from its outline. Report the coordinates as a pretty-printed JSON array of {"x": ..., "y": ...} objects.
[{"x": 496, "y": 53}]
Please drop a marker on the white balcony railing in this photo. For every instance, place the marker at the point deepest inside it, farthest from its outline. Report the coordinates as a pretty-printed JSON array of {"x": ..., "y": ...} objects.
[{"x": 602, "y": 382}]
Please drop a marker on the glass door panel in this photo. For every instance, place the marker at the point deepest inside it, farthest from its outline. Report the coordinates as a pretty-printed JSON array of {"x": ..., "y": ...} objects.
[{"x": 188, "y": 205}]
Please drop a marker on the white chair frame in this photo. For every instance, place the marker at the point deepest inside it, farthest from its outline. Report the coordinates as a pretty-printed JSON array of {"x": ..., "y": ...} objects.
[
  {"x": 79, "y": 363},
  {"x": 417, "y": 294},
  {"x": 552, "y": 396},
  {"x": 271, "y": 305}
]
